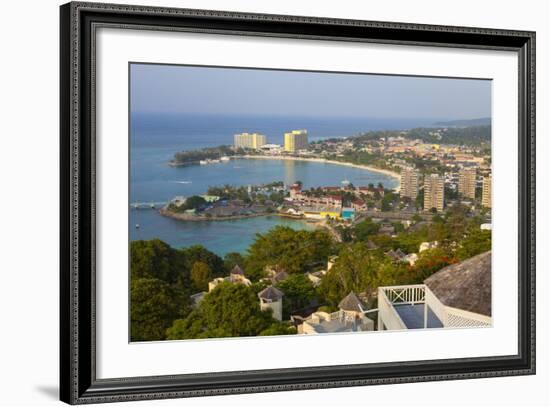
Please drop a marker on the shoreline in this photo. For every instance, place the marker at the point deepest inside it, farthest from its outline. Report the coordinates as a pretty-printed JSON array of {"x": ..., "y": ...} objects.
[
  {"x": 383, "y": 171},
  {"x": 389, "y": 173},
  {"x": 192, "y": 218},
  {"x": 189, "y": 218}
]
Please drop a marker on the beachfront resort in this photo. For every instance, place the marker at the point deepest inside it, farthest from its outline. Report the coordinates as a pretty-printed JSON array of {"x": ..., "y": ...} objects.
[{"x": 431, "y": 177}]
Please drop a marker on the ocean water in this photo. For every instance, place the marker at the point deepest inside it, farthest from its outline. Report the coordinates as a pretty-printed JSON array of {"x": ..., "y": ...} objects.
[{"x": 155, "y": 138}]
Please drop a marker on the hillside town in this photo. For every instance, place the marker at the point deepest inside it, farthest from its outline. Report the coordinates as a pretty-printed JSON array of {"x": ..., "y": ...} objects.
[{"x": 432, "y": 177}]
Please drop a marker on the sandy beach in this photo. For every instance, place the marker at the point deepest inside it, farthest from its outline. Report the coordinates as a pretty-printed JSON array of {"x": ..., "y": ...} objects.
[{"x": 325, "y": 161}]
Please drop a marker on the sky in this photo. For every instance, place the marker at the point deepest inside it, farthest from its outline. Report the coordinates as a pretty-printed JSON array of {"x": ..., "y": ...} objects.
[{"x": 207, "y": 90}]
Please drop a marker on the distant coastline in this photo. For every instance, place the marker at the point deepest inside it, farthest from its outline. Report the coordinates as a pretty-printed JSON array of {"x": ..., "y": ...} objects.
[{"x": 389, "y": 173}]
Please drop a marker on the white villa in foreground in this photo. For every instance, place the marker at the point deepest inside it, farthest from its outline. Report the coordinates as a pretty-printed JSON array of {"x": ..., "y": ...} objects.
[
  {"x": 416, "y": 306},
  {"x": 457, "y": 296}
]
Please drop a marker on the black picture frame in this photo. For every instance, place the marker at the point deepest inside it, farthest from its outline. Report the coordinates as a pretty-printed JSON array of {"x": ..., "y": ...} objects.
[{"x": 78, "y": 382}]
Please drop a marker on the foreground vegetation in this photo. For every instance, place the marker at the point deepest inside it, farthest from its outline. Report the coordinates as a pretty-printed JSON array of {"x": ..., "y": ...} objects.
[{"x": 163, "y": 278}]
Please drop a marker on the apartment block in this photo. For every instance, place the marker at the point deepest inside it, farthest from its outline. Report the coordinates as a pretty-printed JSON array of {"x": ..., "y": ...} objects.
[{"x": 434, "y": 192}]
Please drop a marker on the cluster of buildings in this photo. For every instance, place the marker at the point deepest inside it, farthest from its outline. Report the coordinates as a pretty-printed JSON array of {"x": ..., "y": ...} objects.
[
  {"x": 398, "y": 148},
  {"x": 294, "y": 141},
  {"x": 269, "y": 298},
  {"x": 434, "y": 187},
  {"x": 328, "y": 202}
]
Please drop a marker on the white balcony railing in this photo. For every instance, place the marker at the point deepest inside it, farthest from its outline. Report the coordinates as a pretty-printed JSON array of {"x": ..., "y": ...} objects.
[
  {"x": 390, "y": 297},
  {"x": 388, "y": 318}
]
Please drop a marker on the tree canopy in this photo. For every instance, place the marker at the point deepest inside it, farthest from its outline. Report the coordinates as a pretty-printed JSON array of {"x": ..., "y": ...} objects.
[
  {"x": 153, "y": 307},
  {"x": 365, "y": 229},
  {"x": 156, "y": 259},
  {"x": 227, "y": 311},
  {"x": 359, "y": 270},
  {"x": 200, "y": 275},
  {"x": 292, "y": 250},
  {"x": 299, "y": 292}
]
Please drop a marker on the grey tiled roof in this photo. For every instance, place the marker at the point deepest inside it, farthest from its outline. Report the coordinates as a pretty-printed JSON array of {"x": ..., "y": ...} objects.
[
  {"x": 271, "y": 293},
  {"x": 237, "y": 270},
  {"x": 280, "y": 276},
  {"x": 351, "y": 303},
  {"x": 465, "y": 285}
]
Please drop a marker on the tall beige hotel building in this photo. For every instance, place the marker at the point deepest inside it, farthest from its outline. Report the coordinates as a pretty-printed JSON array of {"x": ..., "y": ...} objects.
[
  {"x": 434, "y": 192},
  {"x": 249, "y": 140},
  {"x": 296, "y": 140},
  {"x": 467, "y": 181},
  {"x": 409, "y": 183},
  {"x": 486, "y": 197}
]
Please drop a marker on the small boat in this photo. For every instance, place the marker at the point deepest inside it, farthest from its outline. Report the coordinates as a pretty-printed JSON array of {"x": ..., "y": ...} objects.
[
  {"x": 137, "y": 225},
  {"x": 203, "y": 162},
  {"x": 225, "y": 158}
]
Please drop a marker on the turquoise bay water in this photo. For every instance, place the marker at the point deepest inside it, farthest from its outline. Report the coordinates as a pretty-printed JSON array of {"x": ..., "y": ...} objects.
[{"x": 153, "y": 142}]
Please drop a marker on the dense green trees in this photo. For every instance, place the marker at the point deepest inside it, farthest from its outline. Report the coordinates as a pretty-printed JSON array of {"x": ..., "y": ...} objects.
[
  {"x": 162, "y": 279},
  {"x": 277, "y": 197},
  {"x": 154, "y": 304},
  {"x": 200, "y": 276},
  {"x": 365, "y": 229},
  {"x": 292, "y": 250},
  {"x": 279, "y": 328},
  {"x": 156, "y": 259},
  {"x": 228, "y": 310},
  {"x": 477, "y": 241},
  {"x": 430, "y": 261},
  {"x": 388, "y": 201},
  {"x": 230, "y": 192},
  {"x": 193, "y": 202},
  {"x": 194, "y": 156},
  {"x": 197, "y": 253},
  {"x": 299, "y": 292},
  {"x": 232, "y": 259},
  {"x": 360, "y": 270}
]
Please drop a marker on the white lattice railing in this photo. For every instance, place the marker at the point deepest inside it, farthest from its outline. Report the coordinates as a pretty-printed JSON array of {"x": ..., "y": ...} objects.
[
  {"x": 459, "y": 318},
  {"x": 410, "y": 294}
]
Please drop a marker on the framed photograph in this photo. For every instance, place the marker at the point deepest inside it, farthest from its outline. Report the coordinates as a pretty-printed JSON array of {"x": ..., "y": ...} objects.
[{"x": 255, "y": 203}]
